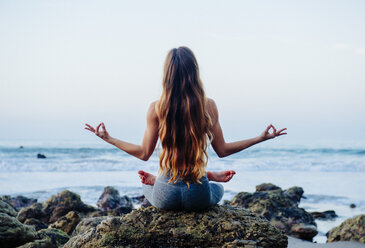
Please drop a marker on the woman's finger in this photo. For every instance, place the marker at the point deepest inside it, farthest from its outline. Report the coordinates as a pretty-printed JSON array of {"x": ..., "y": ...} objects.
[
  {"x": 90, "y": 127},
  {"x": 274, "y": 129},
  {"x": 281, "y": 134},
  {"x": 103, "y": 126},
  {"x": 97, "y": 129},
  {"x": 281, "y": 130},
  {"x": 268, "y": 128}
]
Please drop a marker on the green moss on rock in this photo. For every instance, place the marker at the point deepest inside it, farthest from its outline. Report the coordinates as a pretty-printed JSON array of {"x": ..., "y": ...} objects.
[
  {"x": 150, "y": 227},
  {"x": 352, "y": 229}
]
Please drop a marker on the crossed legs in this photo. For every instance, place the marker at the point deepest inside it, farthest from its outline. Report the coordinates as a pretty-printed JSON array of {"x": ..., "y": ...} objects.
[{"x": 220, "y": 176}]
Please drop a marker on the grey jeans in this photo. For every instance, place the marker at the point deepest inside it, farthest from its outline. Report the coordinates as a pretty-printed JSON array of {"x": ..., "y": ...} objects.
[{"x": 179, "y": 196}]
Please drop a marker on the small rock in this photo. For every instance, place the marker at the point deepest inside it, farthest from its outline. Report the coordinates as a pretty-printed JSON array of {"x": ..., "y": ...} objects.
[
  {"x": 7, "y": 208},
  {"x": 67, "y": 223},
  {"x": 110, "y": 200},
  {"x": 34, "y": 211},
  {"x": 266, "y": 187},
  {"x": 40, "y": 155},
  {"x": 37, "y": 224},
  {"x": 352, "y": 205},
  {"x": 352, "y": 229},
  {"x": 19, "y": 201},
  {"x": 141, "y": 200},
  {"x": 326, "y": 215},
  {"x": 21, "y": 147},
  {"x": 87, "y": 224}
]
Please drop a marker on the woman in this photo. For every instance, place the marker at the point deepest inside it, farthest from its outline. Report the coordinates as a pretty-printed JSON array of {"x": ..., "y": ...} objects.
[{"x": 186, "y": 122}]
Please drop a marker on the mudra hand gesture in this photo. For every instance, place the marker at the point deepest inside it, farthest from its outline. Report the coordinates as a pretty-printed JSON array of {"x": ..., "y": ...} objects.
[
  {"x": 103, "y": 134},
  {"x": 267, "y": 135}
]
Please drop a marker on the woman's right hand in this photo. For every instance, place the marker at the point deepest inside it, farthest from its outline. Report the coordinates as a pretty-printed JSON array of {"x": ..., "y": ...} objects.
[
  {"x": 267, "y": 135},
  {"x": 103, "y": 134}
]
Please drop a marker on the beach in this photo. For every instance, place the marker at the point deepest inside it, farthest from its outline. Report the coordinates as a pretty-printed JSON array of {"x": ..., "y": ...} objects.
[{"x": 330, "y": 175}]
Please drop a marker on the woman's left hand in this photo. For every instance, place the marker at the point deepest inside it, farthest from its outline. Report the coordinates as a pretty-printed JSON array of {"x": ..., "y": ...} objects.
[
  {"x": 103, "y": 134},
  {"x": 267, "y": 135}
]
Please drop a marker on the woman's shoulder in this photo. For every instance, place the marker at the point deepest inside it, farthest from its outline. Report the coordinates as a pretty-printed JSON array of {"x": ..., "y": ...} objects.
[{"x": 152, "y": 110}]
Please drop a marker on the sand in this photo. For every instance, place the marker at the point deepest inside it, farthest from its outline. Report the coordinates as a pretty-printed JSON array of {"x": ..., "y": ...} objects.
[{"x": 298, "y": 243}]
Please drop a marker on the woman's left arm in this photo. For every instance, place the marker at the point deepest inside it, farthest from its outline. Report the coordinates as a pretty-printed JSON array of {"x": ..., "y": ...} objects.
[{"x": 143, "y": 151}]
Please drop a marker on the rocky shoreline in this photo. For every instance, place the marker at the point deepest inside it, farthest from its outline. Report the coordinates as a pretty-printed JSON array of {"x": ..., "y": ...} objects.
[{"x": 263, "y": 218}]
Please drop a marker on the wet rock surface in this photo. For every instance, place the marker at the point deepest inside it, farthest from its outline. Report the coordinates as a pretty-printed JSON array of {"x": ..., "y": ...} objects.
[
  {"x": 280, "y": 207},
  {"x": 220, "y": 226},
  {"x": 352, "y": 229}
]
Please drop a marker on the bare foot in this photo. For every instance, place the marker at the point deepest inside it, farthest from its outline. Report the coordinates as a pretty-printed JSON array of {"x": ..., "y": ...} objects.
[
  {"x": 221, "y": 176},
  {"x": 147, "y": 178}
]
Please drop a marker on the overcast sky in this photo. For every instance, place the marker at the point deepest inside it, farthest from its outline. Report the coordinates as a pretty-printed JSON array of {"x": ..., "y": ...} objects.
[{"x": 296, "y": 64}]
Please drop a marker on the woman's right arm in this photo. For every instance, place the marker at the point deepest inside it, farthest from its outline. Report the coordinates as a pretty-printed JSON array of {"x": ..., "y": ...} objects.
[{"x": 224, "y": 149}]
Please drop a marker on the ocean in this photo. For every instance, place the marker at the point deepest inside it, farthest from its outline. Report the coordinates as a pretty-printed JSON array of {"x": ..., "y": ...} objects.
[{"x": 332, "y": 173}]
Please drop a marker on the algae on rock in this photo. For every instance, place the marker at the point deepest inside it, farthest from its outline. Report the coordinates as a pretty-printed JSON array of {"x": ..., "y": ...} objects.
[
  {"x": 352, "y": 229},
  {"x": 280, "y": 207},
  {"x": 151, "y": 227}
]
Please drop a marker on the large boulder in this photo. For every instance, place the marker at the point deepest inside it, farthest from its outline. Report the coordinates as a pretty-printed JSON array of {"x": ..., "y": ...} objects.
[
  {"x": 111, "y": 200},
  {"x": 352, "y": 229},
  {"x": 220, "y": 226},
  {"x": 280, "y": 207},
  {"x": 13, "y": 233},
  {"x": 19, "y": 201}
]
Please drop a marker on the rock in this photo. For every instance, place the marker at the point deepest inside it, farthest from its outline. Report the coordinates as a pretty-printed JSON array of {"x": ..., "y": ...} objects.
[
  {"x": 67, "y": 223},
  {"x": 64, "y": 210},
  {"x": 21, "y": 147},
  {"x": 280, "y": 208},
  {"x": 326, "y": 215},
  {"x": 34, "y": 211},
  {"x": 87, "y": 224},
  {"x": 48, "y": 238},
  {"x": 39, "y": 155},
  {"x": 142, "y": 200},
  {"x": 13, "y": 233},
  {"x": 295, "y": 193},
  {"x": 266, "y": 187},
  {"x": 111, "y": 200},
  {"x": 8, "y": 209},
  {"x": 62, "y": 203},
  {"x": 19, "y": 201},
  {"x": 220, "y": 226},
  {"x": 352, "y": 229},
  {"x": 37, "y": 224},
  {"x": 352, "y": 205}
]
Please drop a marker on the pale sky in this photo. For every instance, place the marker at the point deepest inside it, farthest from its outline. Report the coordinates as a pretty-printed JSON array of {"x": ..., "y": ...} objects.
[{"x": 296, "y": 64}]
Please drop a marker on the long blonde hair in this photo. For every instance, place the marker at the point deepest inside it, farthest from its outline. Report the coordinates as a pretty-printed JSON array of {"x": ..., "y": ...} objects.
[{"x": 184, "y": 122}]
